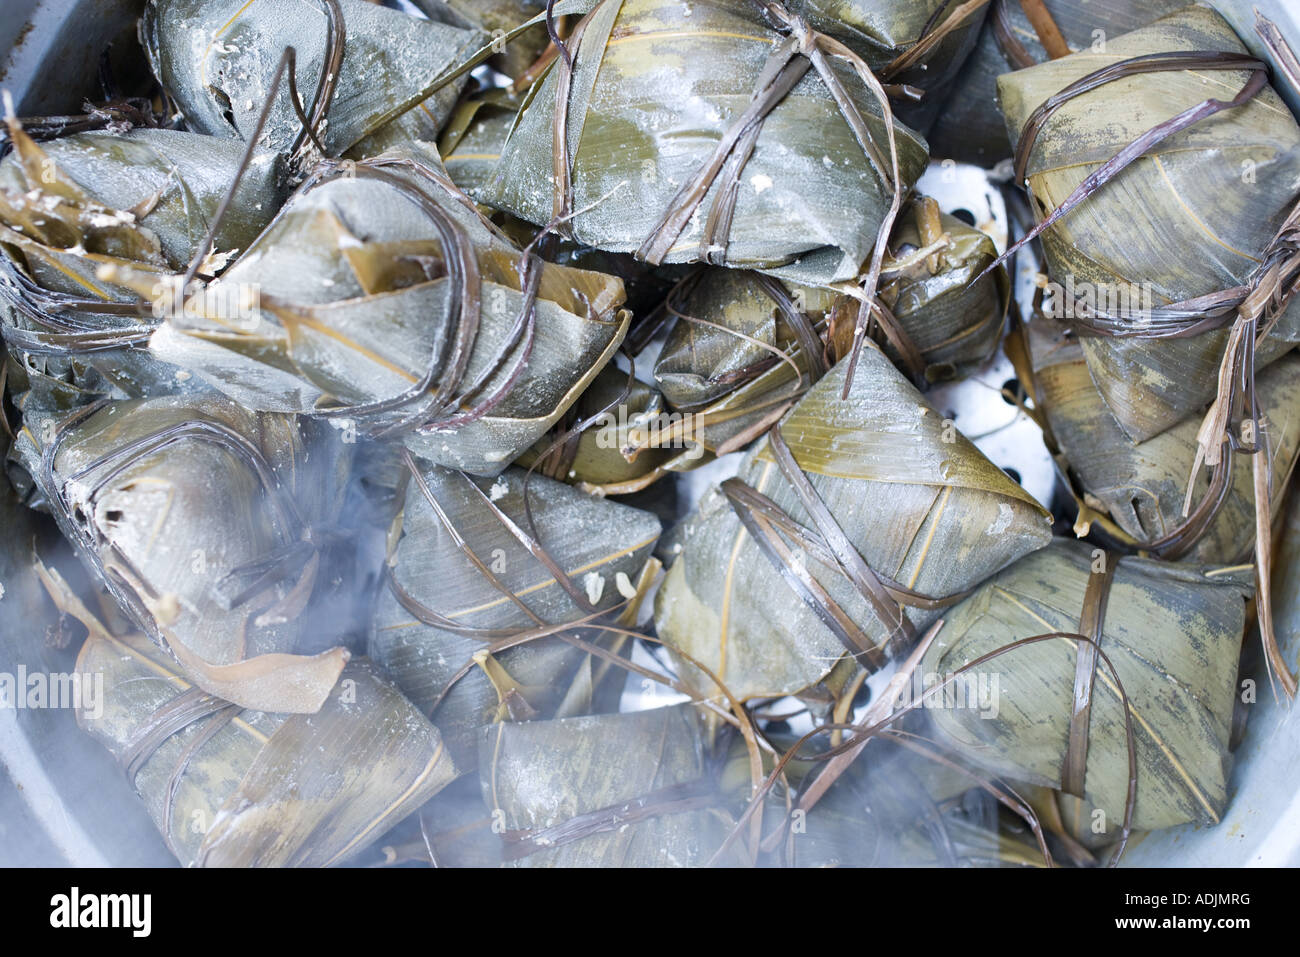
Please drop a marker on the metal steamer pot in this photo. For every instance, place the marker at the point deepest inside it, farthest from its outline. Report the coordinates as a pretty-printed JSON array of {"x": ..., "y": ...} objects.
[{"x": 64, "y": 801}]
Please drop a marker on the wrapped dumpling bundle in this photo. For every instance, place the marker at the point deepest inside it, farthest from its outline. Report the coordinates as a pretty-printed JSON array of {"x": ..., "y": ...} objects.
[
  {"x": 737, "y": 357},
  {"x": 141, "y": 200},
  {"x": 949, "y": 310},
  {"x": 606, "y": 457},
  {"x": 922, "y": 516},
  {"x": 386, "y": 299},
  {"x": 606, "y": 790},
  {"x": 1143, "y": 487},
  {"x": 471, "y": 566},
  {"x": 969, "y": 128},
  {"x": 1156, "y": 261},
  {"x": 358, "y": 68},
  {"x": 751, "y": 320},
  {"x": 944, "y": 321},
  {"x": 234, "y": 787},
  {"x": 1173, "y": 634},
  {"x": 698, "y": 132},
  {"x": 205, "y": 522},
  {"x": 938, "y": 322}
]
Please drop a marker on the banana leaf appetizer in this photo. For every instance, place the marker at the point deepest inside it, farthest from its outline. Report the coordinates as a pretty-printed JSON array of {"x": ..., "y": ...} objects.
[
  {"x": 207, "y": 524},
  {"x": 358, "y": 67},
  {"x": 603, "y": 459},
  {"x": 472, "y": 566},
  {"x": 697, "y": 132},
  {"x": 142, "y": 200},
  {"x": 919, "y": 516},
  {"x": 1151, "y": 700},
  {"x": 471, "y": 142},
  {"x": 387, "y": 300},
  {"x": 969, "y": 128},
  {"x": 1142, "y": 488},
  {"x": 609, "y": 790},
  {"x": 1179, "y": 238},
  {"x": 233, "y": 787}
]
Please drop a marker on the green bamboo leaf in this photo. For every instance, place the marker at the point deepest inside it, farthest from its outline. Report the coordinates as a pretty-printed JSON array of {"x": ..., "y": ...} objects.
[
  {"x": 1143, "y": 487},
  {"x": 969, "y": 128},
  {"x": 564, "y": 790},
  {"x": 356, "y": 307},
  {"x": 217, "y": 59},
  {"x": 1174, "y": 635},
  {"x": 649, "y": 102},
  {"x": 472, "y": 141},
  {"x": 176, "y": 505},
  {"x": 1190, "y": 218},
  {"x": 79, "y": 213},
  {"x": 245, "y": 788},
  {"x": 915, "y": 498},
  {"x": 882, "y": 31},
  {"x": 498, "y": 18},
  {"x": 600, "y": 545}
]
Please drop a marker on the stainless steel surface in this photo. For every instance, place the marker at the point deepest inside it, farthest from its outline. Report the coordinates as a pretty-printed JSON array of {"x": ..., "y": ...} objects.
[{"x": 53, "y": 49}]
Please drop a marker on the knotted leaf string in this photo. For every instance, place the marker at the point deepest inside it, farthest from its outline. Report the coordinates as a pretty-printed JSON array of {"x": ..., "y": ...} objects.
[
  {"x": 330, "y": 67},
  {"x": 808, "y": 342},
  {"x": 442, "y": 400},
  {"x": 1004, "y": 33},
  {"x": 1092, "y": 620},
  {"x": 803, "y": 49},
  {"x": 1177, "y": 541}
]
